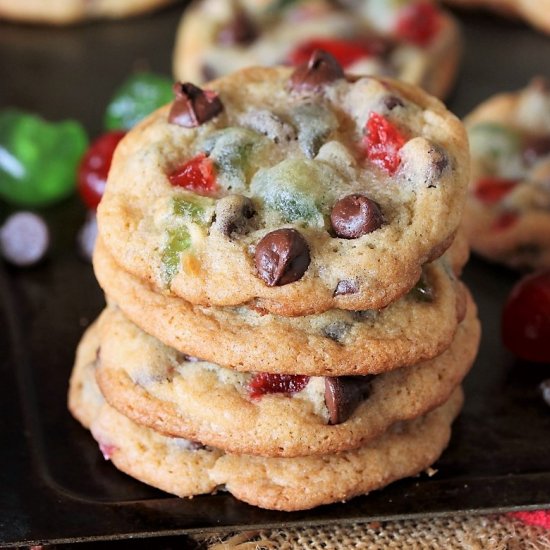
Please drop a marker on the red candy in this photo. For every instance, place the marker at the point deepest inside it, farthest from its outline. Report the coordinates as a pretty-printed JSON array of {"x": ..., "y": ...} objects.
[
  {"x": 263, "y": 383},
  {"x": 94, "y": 168},
  {"x": 418, "y": 23},
  {"x": 345, "y": 52},
  {"x": 491, "y": 190},
  {"x": 526, "y": 318},
  {"x": 383, "y": 142},
  {"x": 505, "y": 221},
  {"x": 197, "y": 175}
]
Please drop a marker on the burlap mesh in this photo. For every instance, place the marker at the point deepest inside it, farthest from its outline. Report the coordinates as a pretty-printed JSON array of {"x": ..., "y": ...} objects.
[{"x": 455, "y": 533}]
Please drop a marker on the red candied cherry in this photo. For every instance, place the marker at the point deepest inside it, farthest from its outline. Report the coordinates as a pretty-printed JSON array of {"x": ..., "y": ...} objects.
[
  {"x": 263, "y": 383},
  {"x": 491, "y": 190},
  {"x": 94, "y": 167},
  {"x": 505, "y": 221},
  {"x": 526, "y": 318},
  {"x": 345, "y": 52},
  {"x": 383, "y": 142},
  {"x": 197, "y": 175},
  {"x": 418, "y": 23}
]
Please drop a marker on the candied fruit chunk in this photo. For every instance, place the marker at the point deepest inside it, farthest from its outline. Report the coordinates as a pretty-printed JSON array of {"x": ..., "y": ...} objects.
[
  {"x": 383, "y": 142},
  {"x": 526, "y": 318},
  {"x": 505, "y": 221},
  {"x": 418, "y": 23},
  {"x": 491, "y": 190},
  {"x": 179, "y": 240},
  {"x": 197, "y": 175},
  {"x": 94, "y": 168},
  {"x": 346, "y": 52},
  {"x": 263, "y": 383}
]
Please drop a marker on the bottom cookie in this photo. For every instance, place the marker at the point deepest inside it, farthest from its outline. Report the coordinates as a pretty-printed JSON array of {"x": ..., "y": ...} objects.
[{"x": 185, "y": 468}]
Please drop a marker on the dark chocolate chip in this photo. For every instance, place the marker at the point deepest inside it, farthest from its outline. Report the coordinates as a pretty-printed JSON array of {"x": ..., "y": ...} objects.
[
  {"x": 321, "y": 69},
  {"x": 535, "y": 147},
  {"x": 240, "y": 30},
  {"x": 544, "y": 388},
  {"x": 208, "y": 72},
  {"x": 345, "y": 287},
  {"x": 193, "y": 106},
  {"x": 392, "y": 101},
  {"x": 233, "y": 214},
  {"x": 24, "y": 239},
  {"x": 282, "y": 257},
  {"x": 87, "y": 236},
  {"x": 343, "y": 394},
  {"x": 337, "y": 331},
  {"x": 364, "y": 315},
  {"x": 423, "y": 291},
  {"x": 355, "y": 216}
]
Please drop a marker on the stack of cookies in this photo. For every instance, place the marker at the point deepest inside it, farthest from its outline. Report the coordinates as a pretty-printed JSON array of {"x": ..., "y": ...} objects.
[{"x": 280, "y": 257}]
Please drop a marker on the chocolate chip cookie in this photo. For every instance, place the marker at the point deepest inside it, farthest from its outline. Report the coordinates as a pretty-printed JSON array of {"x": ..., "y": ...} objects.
[
  {"x": 410, "y": 40},
  {"x": 290, "y": 190},
  {"x": 186, "y": 468},
  {"x": 507, "y": 217},
  {"x": 416, "y": 327},
  {"x": 64, "y": 12},
  {"x": 268, "y": 415}
]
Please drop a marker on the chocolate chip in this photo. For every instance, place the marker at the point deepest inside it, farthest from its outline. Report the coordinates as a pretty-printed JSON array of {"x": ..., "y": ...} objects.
[
  {"x": 343, "y": 394},
  {"x": 345, "y": 287},
  {"x": 423, "y": 291},
  {"x": 193, "y": 106},
  {"x": 233, "y": 214},
  {"x": 355, "y": 216},
  {"x": 240, "y": 30},
  {"x": 392, "y": 101},
  {"x": 535, "y": 147},
  {"x": 87, "y": 236},
  {"x": 208, "y": 72},
  {"x": 24, "y": 239},
  {"x": 364, "y": 315},
  {"x": 282, "y": 257},
  {"x": 544, "y": 389},
  {"x": 321, "y": 69},
  {"x": 337, "y": 331}
]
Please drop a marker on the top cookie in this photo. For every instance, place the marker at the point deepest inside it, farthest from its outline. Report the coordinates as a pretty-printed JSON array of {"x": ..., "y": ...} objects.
[
  {"x": 411, "y": 40},
  {"x": 294, "y": 191},
  {"x": 507, "y": 216}
]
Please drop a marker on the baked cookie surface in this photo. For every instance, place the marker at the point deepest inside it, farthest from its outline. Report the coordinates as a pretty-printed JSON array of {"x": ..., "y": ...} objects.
[
  {"x": 184, "y": 468},
  {"x": 416, "y": 327},
  {"x": 535, "y": 12},
  {"x": 63, "y": 12},
  {"x": 507, "y": 216},
  {"x": 275, "y": 415},
  {"x": 294, "y": 191},
  {"x": 413, "y": 41}
]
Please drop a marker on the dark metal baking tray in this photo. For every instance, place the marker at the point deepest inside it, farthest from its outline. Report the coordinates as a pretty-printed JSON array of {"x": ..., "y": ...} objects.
[{"x": 54, "y": 485}]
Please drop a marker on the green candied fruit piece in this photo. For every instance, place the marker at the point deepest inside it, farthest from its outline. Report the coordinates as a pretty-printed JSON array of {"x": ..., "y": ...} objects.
[
  {"x": 314, "y": 123},
  {"x": 196, "y": 208},
  {"x": 178, "y": 241},
  {"x": 493, "y": 141},
  {"x": 38, "y": 159},
  {"x": 139, "y": 96},
  {"x": 236, "y": 154},
  {"x": 298, "y": 189}
]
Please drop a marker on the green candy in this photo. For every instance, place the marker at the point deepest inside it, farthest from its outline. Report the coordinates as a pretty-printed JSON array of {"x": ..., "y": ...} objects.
[
  {"x": 139, "y": 96},
  {"x": 196, "y": 208},
  {"x": 493, "y": 140},
  {"x": 179, "y": 240},
  {"x": 314, "y": 123},
  {"x": 299, "y": 190},
  {"x": 236, "y": 154},
  {"x": 38, "y": 159}
]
